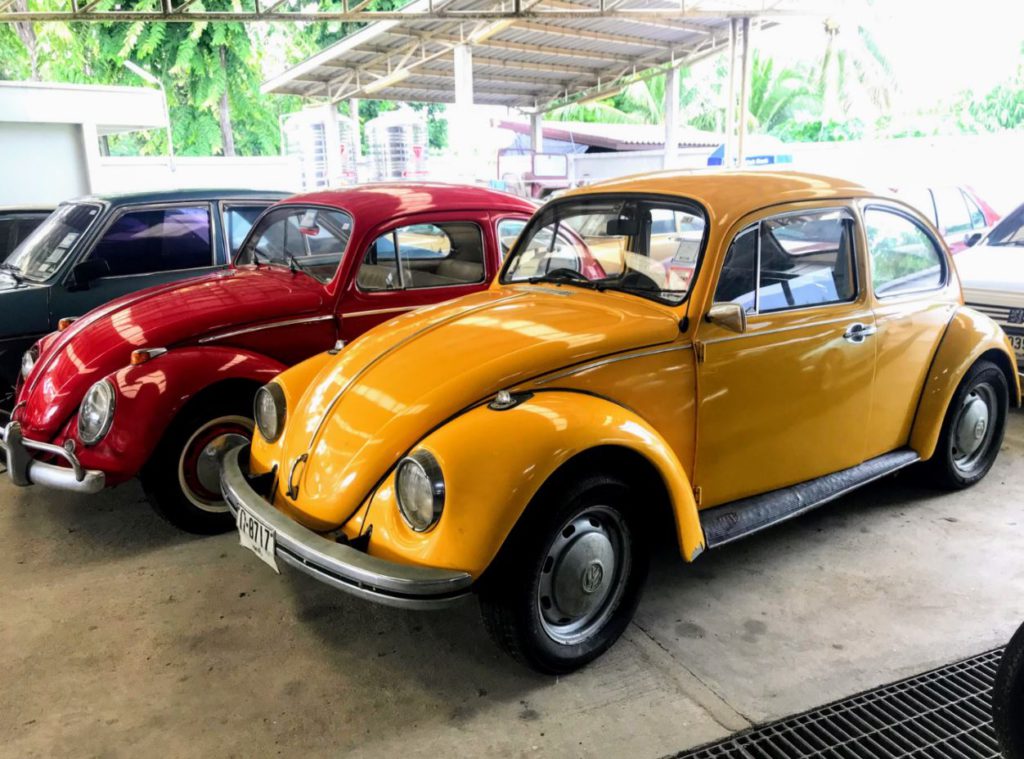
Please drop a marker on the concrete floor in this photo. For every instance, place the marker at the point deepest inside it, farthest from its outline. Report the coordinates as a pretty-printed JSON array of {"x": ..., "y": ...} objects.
[{"x": 122, "y": 637}]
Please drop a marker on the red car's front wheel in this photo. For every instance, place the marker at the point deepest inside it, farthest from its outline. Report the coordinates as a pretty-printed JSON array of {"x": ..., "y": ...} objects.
[{"x": 182, "y": 478}]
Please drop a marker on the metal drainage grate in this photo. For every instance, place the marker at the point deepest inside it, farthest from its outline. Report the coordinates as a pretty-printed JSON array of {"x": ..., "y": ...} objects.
[{"x": 942, "y": 713}]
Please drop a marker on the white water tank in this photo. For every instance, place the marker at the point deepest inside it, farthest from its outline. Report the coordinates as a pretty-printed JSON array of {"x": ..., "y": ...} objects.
[{"x": 398, "y": 145}]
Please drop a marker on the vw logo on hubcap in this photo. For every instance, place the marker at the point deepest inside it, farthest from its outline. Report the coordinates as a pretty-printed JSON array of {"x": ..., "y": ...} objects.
[
  {"x": 979, "y": 429},
  {"x": 592, "y": 577}
]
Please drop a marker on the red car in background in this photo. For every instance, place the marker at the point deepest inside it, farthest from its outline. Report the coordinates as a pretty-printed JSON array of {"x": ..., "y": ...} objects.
[
  {"x": 959, "y": 214},
  {"x": 156, "y": 383}
]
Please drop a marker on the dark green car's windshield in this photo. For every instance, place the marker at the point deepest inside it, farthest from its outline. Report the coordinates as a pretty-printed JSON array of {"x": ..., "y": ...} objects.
[{"x": 41, "y": 254}]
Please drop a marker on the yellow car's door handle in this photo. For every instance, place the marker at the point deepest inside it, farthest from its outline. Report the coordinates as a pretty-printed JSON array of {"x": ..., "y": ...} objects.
[{"x": 856, "y": 333}]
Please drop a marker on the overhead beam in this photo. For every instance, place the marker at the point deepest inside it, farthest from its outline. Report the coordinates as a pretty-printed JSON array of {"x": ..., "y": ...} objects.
[{"x": 90, "y": 13}]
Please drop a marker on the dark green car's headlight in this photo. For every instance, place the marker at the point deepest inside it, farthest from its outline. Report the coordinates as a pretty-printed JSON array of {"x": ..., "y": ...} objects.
[
  {"x": 28, "y": 362},
  {"x": 270, "y": 411},
  {"x": 419, "y": 488}
]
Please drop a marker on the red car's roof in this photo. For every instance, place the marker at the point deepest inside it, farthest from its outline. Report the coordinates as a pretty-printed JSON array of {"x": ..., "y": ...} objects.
[{"x": 373, "y": 203}]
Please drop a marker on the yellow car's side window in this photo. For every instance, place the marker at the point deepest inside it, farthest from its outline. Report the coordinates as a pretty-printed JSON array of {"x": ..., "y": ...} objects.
[
  {"x": 904, "y": 258},
  {"x": 796, "y": 260}
]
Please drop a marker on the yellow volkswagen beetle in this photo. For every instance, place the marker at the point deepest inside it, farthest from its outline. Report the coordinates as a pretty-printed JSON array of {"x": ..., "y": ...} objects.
[{"x": 525, "y": 443}]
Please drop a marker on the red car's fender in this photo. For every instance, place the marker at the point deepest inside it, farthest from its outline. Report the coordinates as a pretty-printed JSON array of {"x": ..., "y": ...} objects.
[{"x": 149, "y": 396}]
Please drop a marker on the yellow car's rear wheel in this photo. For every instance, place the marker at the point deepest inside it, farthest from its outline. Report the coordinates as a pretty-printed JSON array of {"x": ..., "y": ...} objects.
[
  {"x": 568, "y": 580},
  {"x": 972, "y": 431}
]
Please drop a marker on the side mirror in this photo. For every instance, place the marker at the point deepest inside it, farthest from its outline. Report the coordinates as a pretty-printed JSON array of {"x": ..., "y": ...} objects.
[
  {"x": 972, "y": 239},
  {"x": 88, "y": 271},
  {"x": 730, "y": 315}
]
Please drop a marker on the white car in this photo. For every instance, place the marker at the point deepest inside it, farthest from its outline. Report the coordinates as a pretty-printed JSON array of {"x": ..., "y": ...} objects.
[{"x": 992, "y": 275}]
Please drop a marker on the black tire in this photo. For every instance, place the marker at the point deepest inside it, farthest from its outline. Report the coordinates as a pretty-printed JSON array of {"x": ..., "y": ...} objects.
[
  {"x": 1008, "y": 699},
  {"x": 171, "y": 478},
  {"x": 524, "y": 576},
  {"x": 951, "y": 467}
]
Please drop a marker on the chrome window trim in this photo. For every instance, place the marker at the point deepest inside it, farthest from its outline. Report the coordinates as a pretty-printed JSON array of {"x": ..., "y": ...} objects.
[
  {"x": 261, "y": 327},
  {"x": 277, "y": 205},
  {"x": 122, "y": 210},
  {"x": 84, "y": 241},
  {"x": 398, "y": 259},
  {"x": 757, "y": 227},
  {"x": 939, "y": 249},
  {"x": 226, "y": 204}
]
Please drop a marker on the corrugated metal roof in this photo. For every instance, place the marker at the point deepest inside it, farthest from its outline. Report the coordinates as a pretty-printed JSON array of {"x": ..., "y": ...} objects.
[
  {"x": 618, "y": 137},
  {"x": 530, "y": 61}
]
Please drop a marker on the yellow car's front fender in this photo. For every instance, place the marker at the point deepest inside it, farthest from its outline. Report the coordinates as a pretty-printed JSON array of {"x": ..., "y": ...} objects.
[
  {"x": 494, "y": 463},
  {"x": 969, "y": 337}
]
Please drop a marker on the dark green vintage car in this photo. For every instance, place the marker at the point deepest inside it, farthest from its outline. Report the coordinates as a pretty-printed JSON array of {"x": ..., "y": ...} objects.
[{"x": 94, "y": 249}]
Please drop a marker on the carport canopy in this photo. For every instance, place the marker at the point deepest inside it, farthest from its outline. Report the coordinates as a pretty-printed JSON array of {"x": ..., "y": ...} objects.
[{"x": 533, "y": 56}]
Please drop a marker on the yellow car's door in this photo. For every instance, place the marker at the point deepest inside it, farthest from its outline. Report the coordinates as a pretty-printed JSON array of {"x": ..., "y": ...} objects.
[
  {"x": 784, "y": 398},
  {"x": 915, "y": 297}
]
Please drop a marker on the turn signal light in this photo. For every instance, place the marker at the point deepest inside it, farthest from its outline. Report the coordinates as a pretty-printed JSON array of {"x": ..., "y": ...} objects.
[
  {"x": 64, "y": 323},
  {"x": 143, "y": 355}
]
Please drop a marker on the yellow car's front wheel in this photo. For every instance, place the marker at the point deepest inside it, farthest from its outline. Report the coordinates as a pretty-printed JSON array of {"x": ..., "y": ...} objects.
[{"x": 568, "y": 580}]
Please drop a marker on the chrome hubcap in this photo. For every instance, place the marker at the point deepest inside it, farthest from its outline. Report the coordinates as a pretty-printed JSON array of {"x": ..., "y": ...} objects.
[
  {"x": 972, "y": 429},
  {"x": 199, "y": 462},
  {"x": 208, "y": 466},
  {"x": 583, "y": 575}
]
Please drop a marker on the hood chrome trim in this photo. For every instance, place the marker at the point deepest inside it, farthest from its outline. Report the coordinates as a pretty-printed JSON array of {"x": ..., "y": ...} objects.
[
  {"x": 587, "y": 366},
  {"x": 260, "y": 327},
  {"x": 409, "y": 338}
]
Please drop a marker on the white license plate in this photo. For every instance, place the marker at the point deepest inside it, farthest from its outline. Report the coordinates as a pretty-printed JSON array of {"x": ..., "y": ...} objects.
[
  {"x": 257, "y": 537},
  {"x": 1017, "y": 341}
]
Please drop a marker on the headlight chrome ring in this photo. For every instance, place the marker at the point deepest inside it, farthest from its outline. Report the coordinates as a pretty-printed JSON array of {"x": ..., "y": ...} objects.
[
  {"x": 28, "y": 361},
  {"x": 269, "y": 411},
  {"x": 96, "y": 413},
  {"x": 420, "y": 490}
]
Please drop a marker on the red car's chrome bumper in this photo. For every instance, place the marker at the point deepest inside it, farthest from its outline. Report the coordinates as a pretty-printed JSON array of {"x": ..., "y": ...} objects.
[{"x": 24, "y": 470}]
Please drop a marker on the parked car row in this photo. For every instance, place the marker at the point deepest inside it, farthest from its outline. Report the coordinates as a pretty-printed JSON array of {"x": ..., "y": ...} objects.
[{"x": 417, "y": 392}]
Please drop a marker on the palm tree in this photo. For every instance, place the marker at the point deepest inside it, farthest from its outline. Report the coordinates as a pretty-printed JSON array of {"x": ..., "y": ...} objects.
[
  {"x": 854, "y": 73},
  {"x": 776, "y": 95}
]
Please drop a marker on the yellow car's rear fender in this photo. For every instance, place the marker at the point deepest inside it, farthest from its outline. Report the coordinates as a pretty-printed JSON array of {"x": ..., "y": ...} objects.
[
  {"x": 969, "y": 337},
  {"x": 495, "y": 462}
]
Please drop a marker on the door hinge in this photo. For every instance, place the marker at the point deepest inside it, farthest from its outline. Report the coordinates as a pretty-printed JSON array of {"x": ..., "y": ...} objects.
[
  {"x": 699, "y": 350},
  {"x": 697, "y": 495}
]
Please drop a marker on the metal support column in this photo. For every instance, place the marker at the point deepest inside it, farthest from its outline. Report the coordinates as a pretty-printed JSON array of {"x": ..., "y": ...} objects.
[
  {"x": 729, "y": 148},
  {"x": 537, "y": 132},
  {"x": 460, "y": 126},
  {"x": 744, "y": 93},
  {"x": 357, "y": 135},
  {"x": 672, "y": 80}
]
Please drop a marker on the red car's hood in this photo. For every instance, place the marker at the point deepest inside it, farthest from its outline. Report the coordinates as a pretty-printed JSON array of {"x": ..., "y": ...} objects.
[{"x": 102, "y": 341}]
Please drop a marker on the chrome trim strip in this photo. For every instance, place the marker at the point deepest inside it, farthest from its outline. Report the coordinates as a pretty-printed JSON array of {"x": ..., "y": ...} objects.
[
  {"x": 338, "y": 564},
  {"x": 376, "y": 311},
  {"x": 261, "y": 327},
  {"x": 387, "y": 352},
  {"x": 777, "y": 330},
  {"x": 553, "y": 290},
  {"x": 25, "y": 470},
  {"x": 611, "y": 360}
]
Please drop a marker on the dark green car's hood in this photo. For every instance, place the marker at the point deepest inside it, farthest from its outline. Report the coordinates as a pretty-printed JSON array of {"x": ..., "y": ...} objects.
[{"x": 23, "y": 308}]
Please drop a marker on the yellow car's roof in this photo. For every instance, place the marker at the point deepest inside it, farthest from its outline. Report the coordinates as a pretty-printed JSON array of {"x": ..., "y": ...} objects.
[{"x": 729, "y": 194}]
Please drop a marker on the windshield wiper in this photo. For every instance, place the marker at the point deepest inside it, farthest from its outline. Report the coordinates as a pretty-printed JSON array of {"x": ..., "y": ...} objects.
[{"x": 13, "y": 271}]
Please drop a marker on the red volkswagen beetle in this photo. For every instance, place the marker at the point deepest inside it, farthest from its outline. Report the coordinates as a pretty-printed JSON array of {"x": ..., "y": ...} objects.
[{"x": 156, "y": 383}]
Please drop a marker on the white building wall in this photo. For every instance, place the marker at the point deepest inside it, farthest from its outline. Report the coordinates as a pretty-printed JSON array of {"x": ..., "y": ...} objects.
[{"x": 41, "y": 164}]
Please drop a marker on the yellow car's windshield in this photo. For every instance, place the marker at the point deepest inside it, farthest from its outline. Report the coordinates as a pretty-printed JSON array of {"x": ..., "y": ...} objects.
[{"x": 646, "y": 246}]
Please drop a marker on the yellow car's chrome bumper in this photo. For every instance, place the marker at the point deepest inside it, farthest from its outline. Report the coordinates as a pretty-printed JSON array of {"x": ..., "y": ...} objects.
[{"x": 337, "y": 564}]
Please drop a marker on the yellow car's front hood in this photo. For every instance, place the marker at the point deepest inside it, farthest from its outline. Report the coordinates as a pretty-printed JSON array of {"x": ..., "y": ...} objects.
[{"x": 387, "y": 390}]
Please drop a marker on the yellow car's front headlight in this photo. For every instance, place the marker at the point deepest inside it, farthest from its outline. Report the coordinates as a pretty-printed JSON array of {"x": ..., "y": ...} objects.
[{"x": 419, "y": 487}]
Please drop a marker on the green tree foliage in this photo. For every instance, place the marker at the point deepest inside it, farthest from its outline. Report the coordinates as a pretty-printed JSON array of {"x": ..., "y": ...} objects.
[{"x": 1000, "y": 108}]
